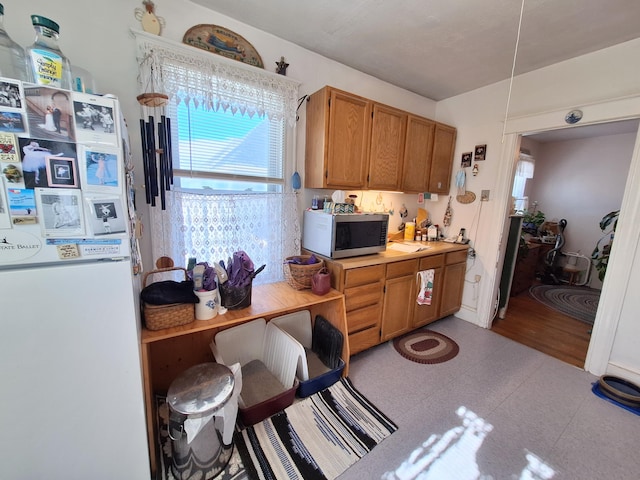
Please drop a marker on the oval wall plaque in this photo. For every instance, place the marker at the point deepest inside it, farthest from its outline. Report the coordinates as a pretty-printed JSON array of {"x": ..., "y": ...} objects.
[{"x": 222, "y": 41}]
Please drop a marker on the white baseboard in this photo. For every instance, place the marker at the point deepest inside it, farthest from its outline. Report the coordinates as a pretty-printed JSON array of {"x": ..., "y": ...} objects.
[
  {"x": 468, "y": 314},
  {"x": 631, "y": 375}
]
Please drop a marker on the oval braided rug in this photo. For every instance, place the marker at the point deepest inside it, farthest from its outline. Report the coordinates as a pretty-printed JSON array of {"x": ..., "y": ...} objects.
[
  {"x": 426, "y": 346},
  {"x": 580, "y": 303}
]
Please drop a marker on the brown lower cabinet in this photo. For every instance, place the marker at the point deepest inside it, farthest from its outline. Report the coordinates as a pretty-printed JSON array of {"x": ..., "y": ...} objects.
[{"x": 380, "y": 298}]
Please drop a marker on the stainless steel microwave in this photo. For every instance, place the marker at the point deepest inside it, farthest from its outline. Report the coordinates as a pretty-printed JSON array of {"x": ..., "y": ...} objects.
[{"x": 340, "y": 235}]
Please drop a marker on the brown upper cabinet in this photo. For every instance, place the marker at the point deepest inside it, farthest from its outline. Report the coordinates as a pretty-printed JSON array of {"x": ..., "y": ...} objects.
[
  {"x": 356, "y": 143},
  {"x": 388, "y": 130},
  {"x": 337, "y": 140},
  {"x": 417, "y": 154},
  {"x": 442, "y": 159}
]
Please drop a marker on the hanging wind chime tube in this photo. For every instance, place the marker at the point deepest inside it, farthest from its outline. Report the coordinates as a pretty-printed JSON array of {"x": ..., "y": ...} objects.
[{"x": 156, "y": 155}]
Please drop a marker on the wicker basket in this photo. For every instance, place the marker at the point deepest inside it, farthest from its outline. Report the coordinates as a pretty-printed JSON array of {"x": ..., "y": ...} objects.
[
  {"x": 299, "y": 276},
  {"x": 157, "y": 317}
]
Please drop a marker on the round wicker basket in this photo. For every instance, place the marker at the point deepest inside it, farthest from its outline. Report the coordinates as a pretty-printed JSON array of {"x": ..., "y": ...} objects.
[{"x": 299, "y": 276}]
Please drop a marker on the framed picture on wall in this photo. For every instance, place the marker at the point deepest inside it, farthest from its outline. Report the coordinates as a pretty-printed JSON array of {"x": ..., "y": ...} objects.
[
  {"x": 466, "y": 160},
  {"x": 480, "y": 153}
]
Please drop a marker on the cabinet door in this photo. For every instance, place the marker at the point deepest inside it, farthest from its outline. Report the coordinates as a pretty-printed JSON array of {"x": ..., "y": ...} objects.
[
  {"x": 399, "y": 295},
  {"x": 387, "y": 147},
  {"x": 418, "y": 149},
  {"x": 424, "y": 314},
  {"x": 453, "y": 283},
  {"x": 398, "y": 305},
  {"x": 348, "y": 141},
  {"x": 442, "y": 159}
]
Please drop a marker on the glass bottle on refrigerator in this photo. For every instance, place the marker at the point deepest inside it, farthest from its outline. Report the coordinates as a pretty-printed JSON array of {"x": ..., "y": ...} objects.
[
  {"x": 12, "y": 59},
  {"x": 47, "y": 65}
]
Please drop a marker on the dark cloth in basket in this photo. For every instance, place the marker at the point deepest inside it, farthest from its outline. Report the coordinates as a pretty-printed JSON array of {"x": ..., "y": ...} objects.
[{"x": 169, "y": 291}]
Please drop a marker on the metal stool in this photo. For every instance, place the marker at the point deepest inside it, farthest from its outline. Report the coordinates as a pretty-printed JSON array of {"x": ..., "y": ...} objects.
[{"x": 194, "y": 398}]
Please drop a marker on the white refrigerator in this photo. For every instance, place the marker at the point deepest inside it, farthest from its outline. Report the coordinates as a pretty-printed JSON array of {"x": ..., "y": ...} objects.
[{"x": 72, "y": 402}]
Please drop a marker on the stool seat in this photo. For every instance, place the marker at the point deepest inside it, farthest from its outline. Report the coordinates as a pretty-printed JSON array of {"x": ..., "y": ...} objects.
[{"x": 573, "y": 271}]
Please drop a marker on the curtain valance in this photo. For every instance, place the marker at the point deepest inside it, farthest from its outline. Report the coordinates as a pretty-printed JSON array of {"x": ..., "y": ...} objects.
[{"x": 187, "y": 74}]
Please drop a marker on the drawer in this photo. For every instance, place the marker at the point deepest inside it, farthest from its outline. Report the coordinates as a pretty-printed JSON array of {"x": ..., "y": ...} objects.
[
  {"x": 364, "y": 318},
  {"x": 433, "y": 261},
  {"x": 363, "y": 275},
  {"x": 363, "y": 340},
  {"x": 400, "y": 269},
  {"x": 456, "y": 257},
  {"x": 363, "y": 295}
]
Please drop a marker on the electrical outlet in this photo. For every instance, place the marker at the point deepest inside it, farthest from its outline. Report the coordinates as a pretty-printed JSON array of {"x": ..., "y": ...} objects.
[
  {"x": 484, "y": 195},
  {"x": 478, "y": 277}
]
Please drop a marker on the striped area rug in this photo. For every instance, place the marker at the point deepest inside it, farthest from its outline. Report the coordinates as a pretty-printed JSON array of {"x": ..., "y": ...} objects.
[{"x": 318, "y": 437}]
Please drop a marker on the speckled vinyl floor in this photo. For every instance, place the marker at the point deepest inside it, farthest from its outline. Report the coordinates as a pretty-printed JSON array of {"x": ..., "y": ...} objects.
[{"x": 498, "y": 410}]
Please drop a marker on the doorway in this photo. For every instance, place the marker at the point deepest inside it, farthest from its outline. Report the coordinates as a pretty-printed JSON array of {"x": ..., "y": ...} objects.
[{"x": 564, "y": 189}]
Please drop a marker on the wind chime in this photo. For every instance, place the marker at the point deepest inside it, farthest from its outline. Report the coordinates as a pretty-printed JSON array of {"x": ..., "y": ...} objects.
[{"x": 156, "y": 143}]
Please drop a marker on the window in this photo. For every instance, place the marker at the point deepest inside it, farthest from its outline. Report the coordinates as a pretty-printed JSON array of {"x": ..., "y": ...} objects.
[
  {"x": 524, "y": 171},
  {"x": 232, "y": 126},
  {"x": 227, "y": 152}
]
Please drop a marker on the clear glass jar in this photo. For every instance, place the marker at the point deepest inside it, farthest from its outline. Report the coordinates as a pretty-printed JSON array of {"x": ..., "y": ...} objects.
[
  {"x": 47, "y": 65},
  {"x": 12, "y": 59}
]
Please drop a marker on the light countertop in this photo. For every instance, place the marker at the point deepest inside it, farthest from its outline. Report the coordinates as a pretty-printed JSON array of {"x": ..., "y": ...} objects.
[{"x": 389, "y": 255}]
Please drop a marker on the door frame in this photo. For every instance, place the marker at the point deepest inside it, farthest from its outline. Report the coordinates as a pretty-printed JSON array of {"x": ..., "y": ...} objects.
[{"x": 614, "y": 288}]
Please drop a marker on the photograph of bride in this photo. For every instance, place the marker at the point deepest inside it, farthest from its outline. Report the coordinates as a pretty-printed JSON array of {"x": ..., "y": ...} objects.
[{"x": 49, "y": 112}]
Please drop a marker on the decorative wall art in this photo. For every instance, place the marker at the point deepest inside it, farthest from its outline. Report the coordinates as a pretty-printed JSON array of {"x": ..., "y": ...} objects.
[
  {"x": 222, "y": 41},
  {"x": 466, "y": 159},
  {"x": 480, "y": 152}
]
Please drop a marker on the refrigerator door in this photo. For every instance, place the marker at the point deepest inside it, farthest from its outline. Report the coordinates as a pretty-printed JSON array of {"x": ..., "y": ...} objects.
[{"x": 72, "y": 397}]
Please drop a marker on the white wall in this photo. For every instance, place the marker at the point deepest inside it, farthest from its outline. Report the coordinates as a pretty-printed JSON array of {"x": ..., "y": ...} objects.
[
  {"x": 607, "y": 75},
  {"x": 581, "y": 181}
]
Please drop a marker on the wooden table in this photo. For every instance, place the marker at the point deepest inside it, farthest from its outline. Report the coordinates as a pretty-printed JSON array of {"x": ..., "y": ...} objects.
[{"x": 169, "y": 352}]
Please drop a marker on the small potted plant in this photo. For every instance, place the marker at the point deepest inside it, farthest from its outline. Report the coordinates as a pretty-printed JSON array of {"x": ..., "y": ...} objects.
[{"x": 531, "y": 220}]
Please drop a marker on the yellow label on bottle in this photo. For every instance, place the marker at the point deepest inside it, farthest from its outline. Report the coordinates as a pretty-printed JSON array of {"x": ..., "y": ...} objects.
[
  {"x": 47, "y": 68},
  {"x": 409, "y": 231}
]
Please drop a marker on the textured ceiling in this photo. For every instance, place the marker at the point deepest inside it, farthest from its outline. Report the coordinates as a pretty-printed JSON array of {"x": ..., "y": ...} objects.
[{"x": 441, "y": 48}]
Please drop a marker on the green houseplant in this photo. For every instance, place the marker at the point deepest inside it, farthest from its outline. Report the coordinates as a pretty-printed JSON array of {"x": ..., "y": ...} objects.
[
  {"x": 600, "y": 254},
  {"x": 531, "y": 221}
]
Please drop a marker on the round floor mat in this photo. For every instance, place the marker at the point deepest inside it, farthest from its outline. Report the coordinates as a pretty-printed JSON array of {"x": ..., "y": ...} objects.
[{"x": 426, "y": 346}]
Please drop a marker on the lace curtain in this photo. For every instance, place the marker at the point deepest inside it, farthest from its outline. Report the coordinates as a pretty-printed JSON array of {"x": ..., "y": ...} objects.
[
  {"x": 187, "y": 74},
  {"x": 526, "y": 166},
  {"x": 524, "y": 170},
  {"x": 212, "y": 227}
]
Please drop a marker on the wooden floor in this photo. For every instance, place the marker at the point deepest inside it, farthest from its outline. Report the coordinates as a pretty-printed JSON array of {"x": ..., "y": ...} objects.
[{"x": 531, "y": 323}]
